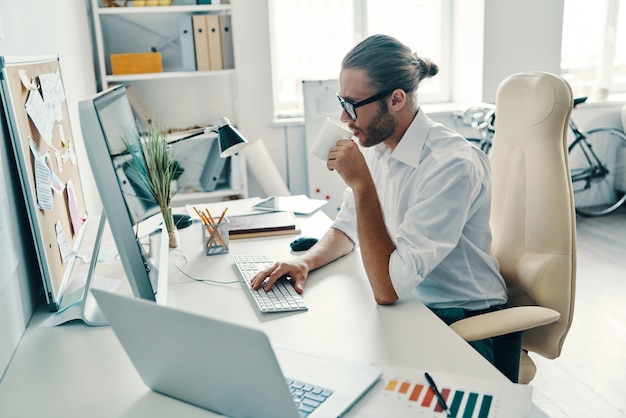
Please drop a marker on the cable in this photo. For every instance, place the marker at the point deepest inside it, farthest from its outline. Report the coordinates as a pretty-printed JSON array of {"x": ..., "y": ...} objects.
[{"x": 183, "y": 259}]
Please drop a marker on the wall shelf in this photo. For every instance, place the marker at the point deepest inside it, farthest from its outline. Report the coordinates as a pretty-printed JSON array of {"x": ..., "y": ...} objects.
[{"x": 177, "y": 97}]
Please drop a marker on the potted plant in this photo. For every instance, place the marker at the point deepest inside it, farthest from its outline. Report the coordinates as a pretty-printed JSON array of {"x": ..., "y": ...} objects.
[{"x": 153, "y": 160}]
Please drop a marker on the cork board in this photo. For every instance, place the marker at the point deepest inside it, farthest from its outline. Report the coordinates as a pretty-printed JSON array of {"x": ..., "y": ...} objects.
[{"x": 34, "y": 104}]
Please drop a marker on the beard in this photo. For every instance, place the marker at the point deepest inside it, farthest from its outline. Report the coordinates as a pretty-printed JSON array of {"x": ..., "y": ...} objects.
[{"x": 381, "y": 127}]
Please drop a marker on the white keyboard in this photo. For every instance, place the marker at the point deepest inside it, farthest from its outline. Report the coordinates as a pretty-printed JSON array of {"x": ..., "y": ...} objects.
[{"x": 281, "y": 298}]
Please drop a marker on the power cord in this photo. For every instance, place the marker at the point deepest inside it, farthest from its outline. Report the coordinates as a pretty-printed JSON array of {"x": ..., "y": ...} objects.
[{"x": 183, "y": 259}]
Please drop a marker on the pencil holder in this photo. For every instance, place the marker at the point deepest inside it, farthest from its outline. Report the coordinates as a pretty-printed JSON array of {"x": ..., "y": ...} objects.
[{"x": 215, "y": 238}]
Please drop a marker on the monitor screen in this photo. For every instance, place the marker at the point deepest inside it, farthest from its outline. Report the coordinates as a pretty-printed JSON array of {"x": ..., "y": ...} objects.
[{"x": 104, "y": 120}]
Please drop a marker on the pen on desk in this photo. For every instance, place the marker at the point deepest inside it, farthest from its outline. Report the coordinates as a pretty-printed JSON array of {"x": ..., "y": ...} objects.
[{"x": 433, "y": 386}]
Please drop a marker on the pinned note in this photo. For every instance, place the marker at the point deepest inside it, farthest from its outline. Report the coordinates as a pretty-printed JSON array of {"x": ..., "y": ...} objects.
[
  {"x": 64, "y": 248},
  {"x": 43, "y": 119},
  {"x": 78, "y": 220},
  {"x": 42, "y": 178}
]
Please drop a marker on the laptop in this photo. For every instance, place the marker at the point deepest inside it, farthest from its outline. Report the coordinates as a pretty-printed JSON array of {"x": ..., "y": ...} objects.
[{"x": 224, "y": 367}]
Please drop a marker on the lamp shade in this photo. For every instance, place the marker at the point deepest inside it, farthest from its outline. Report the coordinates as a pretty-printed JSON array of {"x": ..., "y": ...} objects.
[{"x": 231, "y": 141}]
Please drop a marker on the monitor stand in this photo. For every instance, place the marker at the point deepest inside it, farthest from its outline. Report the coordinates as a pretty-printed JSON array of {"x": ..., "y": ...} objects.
[
  {"x": 81, "y": 304},
  {"x": 90, "y": 312}
]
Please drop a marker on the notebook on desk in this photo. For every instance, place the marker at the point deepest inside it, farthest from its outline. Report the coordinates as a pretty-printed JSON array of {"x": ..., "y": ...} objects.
[
  {"x": 262, "y": 224},
  {"x": 223, "y": 367}
]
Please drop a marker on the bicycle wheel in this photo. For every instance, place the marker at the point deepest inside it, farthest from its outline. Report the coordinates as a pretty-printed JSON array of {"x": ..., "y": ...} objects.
[{"x": 598, "y": 168}]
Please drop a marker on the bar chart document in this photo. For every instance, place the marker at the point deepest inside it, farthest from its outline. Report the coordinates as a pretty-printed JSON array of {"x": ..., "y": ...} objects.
[{"x": 405, "y": 392}]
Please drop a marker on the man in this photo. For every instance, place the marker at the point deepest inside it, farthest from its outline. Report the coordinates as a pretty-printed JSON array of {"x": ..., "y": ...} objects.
[{"x": 418, "y": 196}]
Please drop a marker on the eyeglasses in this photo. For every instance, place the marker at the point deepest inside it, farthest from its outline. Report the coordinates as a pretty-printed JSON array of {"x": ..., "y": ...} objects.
[{"x": 350, "y": 105}]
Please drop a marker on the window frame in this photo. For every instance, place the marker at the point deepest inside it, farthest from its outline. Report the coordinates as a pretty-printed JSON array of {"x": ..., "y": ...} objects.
[
  {"x": 444, "y": 94},
  {"x": 607, "y": 74}
]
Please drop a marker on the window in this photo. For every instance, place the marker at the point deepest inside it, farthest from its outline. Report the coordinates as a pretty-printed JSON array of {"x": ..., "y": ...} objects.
[
  {"x": 311, "y": 37},
  {"x": 593, "y": 54}
]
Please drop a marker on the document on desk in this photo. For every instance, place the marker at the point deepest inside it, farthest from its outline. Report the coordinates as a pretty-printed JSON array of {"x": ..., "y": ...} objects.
[{"x": 405, "y": 392}]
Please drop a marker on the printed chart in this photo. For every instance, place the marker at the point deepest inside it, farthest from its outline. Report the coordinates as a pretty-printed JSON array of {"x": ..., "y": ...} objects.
[
  {"x": 461, "y": 403},
  {"x": 405, "y": 392}
]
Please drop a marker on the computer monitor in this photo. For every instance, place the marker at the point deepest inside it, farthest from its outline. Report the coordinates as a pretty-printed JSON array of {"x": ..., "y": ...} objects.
[{"x": 105, "y": 119}]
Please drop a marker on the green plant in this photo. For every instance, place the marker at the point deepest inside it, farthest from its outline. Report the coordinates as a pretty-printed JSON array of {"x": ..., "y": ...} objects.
[
  {"x": 178, "y": 170},
  {"x": 153, "y": 160}
]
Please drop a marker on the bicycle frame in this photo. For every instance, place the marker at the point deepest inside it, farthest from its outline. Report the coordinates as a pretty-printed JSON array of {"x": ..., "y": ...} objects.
[{"x": 596, "y": 168}]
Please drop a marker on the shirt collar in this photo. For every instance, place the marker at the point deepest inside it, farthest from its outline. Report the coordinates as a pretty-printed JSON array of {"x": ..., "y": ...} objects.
[{"x": 409, "y": 149}]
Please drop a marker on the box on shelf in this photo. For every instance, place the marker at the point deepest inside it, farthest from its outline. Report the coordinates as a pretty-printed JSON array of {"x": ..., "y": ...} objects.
[{"x": 136, "y": 63}]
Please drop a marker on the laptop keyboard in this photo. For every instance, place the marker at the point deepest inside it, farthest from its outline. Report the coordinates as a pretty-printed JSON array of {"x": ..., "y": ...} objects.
[
  {"x": 307, "y": 397},
  {"x": 282, "y": 298}
]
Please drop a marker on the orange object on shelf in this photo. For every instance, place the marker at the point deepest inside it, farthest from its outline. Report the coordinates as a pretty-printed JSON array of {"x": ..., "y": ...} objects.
[{"x": 136, "y": 63}]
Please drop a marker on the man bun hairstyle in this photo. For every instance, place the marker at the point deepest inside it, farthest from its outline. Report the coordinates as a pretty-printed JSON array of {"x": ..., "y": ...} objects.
[{"x": 390, "y": 64}]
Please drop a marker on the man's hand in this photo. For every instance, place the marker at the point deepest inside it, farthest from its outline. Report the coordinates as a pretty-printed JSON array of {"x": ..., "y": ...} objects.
[
  {"x": 331, "y": 246},
  {"x": 297, "y": 270},
  {"x": 346, "y": 158}
]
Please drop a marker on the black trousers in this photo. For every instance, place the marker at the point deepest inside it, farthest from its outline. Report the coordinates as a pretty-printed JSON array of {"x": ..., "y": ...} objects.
[{"x": 503, "y": 351}]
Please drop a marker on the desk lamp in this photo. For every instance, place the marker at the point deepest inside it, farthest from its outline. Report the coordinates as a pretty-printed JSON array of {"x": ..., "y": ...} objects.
[{"x": 230, "y": 141}]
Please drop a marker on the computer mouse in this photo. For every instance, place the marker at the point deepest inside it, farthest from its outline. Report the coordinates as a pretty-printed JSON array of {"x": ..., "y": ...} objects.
[
  {"x": 182, "y": 221},
  {"x": 302, "y": 243}
]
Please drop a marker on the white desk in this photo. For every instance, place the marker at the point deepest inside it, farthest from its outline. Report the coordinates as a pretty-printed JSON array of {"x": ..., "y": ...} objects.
[{"x": 77, "y": 371}]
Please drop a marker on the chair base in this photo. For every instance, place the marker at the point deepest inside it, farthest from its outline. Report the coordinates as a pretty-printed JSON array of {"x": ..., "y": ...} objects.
[{"x": 527, "y": 369}]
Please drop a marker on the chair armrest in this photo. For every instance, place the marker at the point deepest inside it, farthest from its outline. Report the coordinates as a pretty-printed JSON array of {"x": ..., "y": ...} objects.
[{"x": 505, "y": 321}]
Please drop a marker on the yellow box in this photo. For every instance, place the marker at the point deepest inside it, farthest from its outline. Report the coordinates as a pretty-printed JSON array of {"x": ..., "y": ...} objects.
[{"x": 136, "y": 63}]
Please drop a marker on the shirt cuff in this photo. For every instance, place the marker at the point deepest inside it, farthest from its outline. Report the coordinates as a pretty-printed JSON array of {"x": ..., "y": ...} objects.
[{"x": 404, "y": 276}]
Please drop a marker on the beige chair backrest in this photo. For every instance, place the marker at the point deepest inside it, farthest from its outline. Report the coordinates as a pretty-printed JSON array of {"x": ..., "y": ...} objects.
[{"x": 532, "y": 215}]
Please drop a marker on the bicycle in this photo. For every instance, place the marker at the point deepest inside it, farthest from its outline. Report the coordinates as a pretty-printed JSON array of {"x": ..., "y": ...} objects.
[
  {"x": 598, "y": 167},
  {"x": 482, "y": 119},
  {"x": 597, "y": 160}
]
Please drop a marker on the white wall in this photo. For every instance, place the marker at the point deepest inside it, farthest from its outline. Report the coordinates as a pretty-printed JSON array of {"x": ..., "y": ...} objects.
[
  {"x": 520, "y": 36},
  {"x": 32, "y": 28},
  {"x": 40, "y": 27},
  {"x": 251, "y": 39}
]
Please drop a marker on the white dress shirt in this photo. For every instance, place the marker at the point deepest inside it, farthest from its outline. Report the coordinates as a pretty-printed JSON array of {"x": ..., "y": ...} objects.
[{"x": 434, "y": 189}]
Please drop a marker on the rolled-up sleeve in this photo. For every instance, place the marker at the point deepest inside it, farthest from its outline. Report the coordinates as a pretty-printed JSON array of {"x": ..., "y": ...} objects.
[
  {"x": 434, "y": 191},
  {"x": 433, "y": 224},
  {"x": 345, "y": 220}
]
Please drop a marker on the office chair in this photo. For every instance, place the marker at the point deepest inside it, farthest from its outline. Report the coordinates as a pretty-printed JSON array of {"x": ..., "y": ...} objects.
[{"x": 532, "y": 220}]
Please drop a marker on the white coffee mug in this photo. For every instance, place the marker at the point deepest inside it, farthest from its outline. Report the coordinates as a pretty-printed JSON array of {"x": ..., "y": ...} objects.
[{"x": 331, "y": 132}]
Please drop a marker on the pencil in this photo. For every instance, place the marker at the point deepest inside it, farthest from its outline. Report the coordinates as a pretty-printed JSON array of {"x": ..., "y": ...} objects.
[
  {"x": 222, "y": 216},
  {"x": 215, "y": 228}
]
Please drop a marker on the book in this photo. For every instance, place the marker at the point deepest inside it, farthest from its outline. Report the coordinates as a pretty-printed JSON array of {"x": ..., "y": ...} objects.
[
  {"x": 187, "y": 46},
  {"x": 214, "y": 41},
  {"x": 262, "y": 224},
  {"x": 228, "y": 56},
  {"x": 201, "y": 42}
]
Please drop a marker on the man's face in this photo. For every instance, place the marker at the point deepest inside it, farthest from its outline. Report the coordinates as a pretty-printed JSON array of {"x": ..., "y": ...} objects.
[{"x": 374, "y": 124}]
